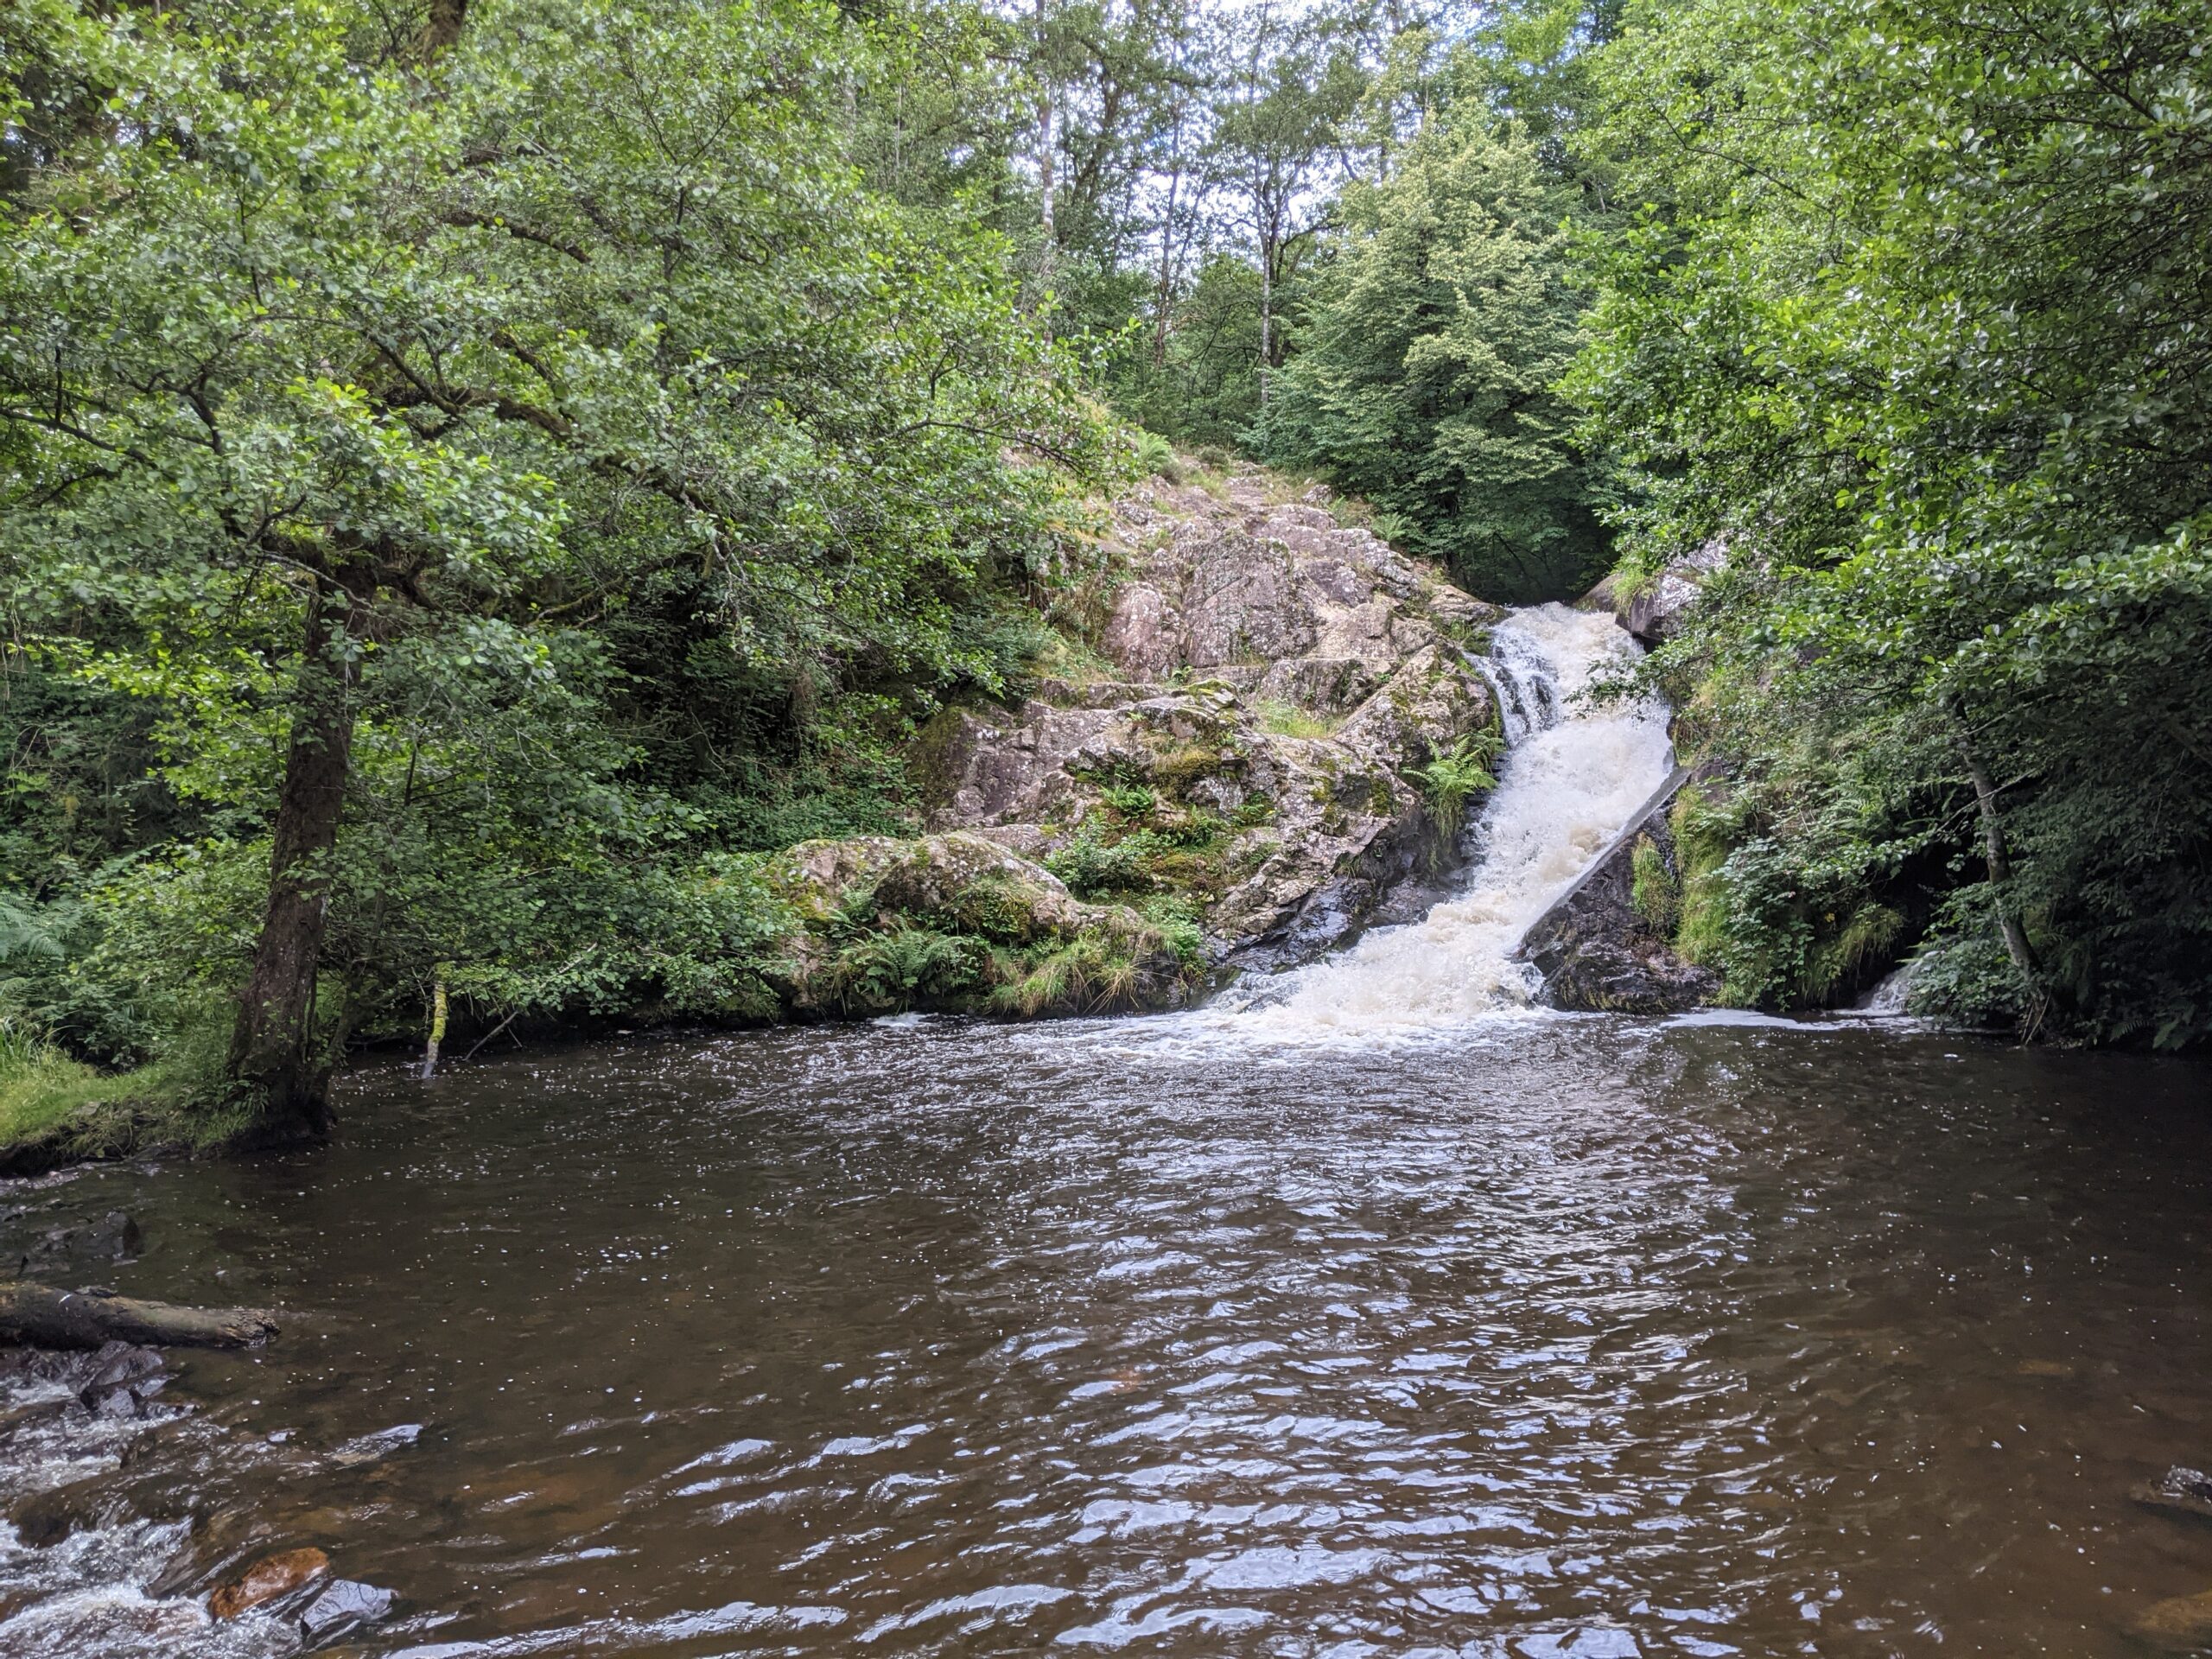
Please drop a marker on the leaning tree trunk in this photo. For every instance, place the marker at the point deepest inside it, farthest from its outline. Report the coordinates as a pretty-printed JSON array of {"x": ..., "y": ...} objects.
[
  {"x": 273, "y": 1051},
  {"x": 2010, "y": 925}
]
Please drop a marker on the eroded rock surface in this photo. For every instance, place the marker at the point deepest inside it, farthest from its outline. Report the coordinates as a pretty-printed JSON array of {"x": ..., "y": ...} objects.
[
  {"x": 1266, "y": 680},
  {"x": 1605, "y": 946}
]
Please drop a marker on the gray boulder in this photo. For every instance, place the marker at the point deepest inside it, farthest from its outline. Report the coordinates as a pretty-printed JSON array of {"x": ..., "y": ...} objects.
[
  {"x": 1605, "y": 947},
  {"x": 1266, "y": 679},
  {"x": 1654, "y": 614}
]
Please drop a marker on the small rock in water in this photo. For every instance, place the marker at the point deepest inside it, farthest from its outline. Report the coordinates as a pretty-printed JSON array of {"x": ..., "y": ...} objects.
[
  {"x": 344, "y": 1605},
  {"x": 123, "y": 1378},
  {"x": 266, "y": 1579},
  {"x": 2184, "y": 1491},
  {"x": 44, "y": 1519},
  {"x": 118, "y": 1235},
  {"x": 2181, "y": 1626},
  {"x": 369, "y": 1447}
]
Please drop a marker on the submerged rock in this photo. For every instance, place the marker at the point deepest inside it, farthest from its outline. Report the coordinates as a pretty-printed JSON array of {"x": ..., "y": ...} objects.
[
  {"x": 2178, "y": 1491},
  {"x": 1269, "y": 679},
  {"x": 369, "y": 1448},
  {"x": 2182, "y": 1625},
  {"x": 267, "y": 1579}
]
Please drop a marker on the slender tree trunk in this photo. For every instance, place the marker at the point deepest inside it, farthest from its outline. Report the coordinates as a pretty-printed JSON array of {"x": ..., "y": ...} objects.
[
  {"x": 1048, "y": 259},
  {"x": 273, "y": 1051},
  {"x": 1166, "y": 295},
  {"x": 1267, "y": 317},
  {"x": 1999, "y": 867},
  {"x": 437, "y": 1032}
]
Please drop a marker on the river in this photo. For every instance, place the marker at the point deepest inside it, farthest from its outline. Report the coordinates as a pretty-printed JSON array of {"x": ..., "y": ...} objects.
[{"x": 1351, "y": 1315}]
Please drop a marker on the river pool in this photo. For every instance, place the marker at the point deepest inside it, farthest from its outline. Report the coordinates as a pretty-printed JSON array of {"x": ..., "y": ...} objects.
[{"x": 1538, "y": 1336}]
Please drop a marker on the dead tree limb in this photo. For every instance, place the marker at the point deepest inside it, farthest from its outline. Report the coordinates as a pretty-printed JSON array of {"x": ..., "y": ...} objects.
[{"x": 44, "y": 1316}]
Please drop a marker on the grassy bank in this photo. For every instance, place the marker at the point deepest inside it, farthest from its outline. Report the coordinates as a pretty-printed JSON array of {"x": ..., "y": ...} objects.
[{"x": 55, "y": 1110}]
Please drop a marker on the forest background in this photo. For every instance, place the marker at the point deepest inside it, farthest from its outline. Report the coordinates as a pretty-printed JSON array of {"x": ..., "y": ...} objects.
[{"x": 473, "y": 479}]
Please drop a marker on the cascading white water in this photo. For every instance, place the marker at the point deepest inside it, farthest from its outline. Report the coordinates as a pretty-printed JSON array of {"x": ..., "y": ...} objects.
[{"x": 1568, "y": 782}]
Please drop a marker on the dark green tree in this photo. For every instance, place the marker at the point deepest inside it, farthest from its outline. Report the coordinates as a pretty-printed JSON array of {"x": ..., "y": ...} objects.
[{"x": 1437, "y": 327}]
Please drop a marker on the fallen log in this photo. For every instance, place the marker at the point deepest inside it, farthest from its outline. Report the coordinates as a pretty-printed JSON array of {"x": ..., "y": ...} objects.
[{"x": 44, "y": 1316}]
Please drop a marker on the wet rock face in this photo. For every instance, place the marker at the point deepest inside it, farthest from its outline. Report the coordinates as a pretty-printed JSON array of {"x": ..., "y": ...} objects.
[
  {"x": 1654, "y": 615},
  {"x": 1599, "y": 950},
  {"x": 1274, "y": 678}
]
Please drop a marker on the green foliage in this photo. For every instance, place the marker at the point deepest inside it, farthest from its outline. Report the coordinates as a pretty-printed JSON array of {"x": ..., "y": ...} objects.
[
  {"x": 1203, "y": 388},
  {"x": 1093, "y": 866},
  {"x": 1131, "y": 800},
  {"x": 1436, "y": 329},
  {"x": 882, "y": 972},
  {"x": 1156, "y": 457},
  {"x": 46, "y": 1097},
  {"x": 671, "y": 472},
  {"x": 1452, "y": 777},
  {"x": 1915, "y": 326},
  {"x": 1288, "y": 719},
  {"x": 1653, "y": 892}
]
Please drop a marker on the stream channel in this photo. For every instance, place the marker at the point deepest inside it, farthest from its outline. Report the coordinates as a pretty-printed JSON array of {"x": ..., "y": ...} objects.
[{"x": 1369, "y": 1312}]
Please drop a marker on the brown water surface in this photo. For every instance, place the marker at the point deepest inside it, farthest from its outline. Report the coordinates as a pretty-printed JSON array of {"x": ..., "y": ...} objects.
[{"x": 1547, "y": 1337}]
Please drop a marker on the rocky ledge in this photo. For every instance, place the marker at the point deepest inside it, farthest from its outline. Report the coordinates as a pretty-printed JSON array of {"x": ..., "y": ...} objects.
[
  {"x": 1220, "y": 772},
  {"x": 1607, "y": 944},
  {"x": 1232, "y": 750}
]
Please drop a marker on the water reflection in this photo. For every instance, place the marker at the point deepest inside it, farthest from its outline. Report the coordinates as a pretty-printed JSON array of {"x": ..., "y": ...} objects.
[{"x": 1566, "y": 1336}]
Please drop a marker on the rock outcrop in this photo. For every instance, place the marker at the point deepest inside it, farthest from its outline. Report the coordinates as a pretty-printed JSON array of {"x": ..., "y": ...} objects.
[
  {"x": 959, "y": 922},
  {"x": 1655, "y": 613},
  {"x": 1239, "y": 745},
  {"x": 1606, "y": 944}
]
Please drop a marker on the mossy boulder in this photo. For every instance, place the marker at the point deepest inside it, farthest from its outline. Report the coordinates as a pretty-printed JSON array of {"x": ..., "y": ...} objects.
[{"x": 960, "y": 922}]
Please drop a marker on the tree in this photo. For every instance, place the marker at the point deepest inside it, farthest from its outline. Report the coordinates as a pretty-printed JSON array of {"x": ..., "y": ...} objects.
[
  {"x": 1915, "y": 320},
  {"x": 1287, "y": 85},
  {"x": 1437, "y": 326},
  {"x": 353, "y": 356}
]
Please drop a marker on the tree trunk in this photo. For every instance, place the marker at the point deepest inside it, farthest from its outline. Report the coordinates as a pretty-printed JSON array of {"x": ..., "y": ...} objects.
[
  {"x": 1166, "y": 291},
  {"x": 437, "y": 1032},
  {"x": 1267, "y": 317},
  {"x": 441, "y": 28},
  {"x": 1999, "y": 867},
  {"x": 1048, "y": 258},
  {"x": 273, "y": 1051},
  {"x": 43, "y": 1317}
]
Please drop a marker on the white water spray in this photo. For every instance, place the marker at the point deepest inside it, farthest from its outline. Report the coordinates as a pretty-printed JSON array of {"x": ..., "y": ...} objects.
[{"x": 1570, "y": 778}]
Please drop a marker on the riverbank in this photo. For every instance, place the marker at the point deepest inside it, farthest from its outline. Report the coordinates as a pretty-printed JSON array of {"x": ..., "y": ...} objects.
[{"x": 1238, "y": 724}]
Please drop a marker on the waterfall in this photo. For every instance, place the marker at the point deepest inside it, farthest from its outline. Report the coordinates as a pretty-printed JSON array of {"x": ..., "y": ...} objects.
[{"x": 1570, "y": 776}]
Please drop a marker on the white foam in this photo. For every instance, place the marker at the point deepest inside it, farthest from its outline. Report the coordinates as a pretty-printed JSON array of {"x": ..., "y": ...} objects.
[{"x": 1566, "y": 788}]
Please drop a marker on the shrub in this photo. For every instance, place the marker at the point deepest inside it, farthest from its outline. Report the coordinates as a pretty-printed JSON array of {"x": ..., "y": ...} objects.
[{"x": 1453, "y": 776}]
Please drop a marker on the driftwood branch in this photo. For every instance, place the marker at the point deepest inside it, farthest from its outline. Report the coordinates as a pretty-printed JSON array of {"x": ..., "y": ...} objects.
[{"x": 48, "y": 1318}]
